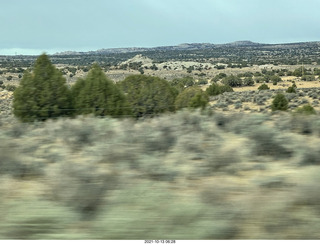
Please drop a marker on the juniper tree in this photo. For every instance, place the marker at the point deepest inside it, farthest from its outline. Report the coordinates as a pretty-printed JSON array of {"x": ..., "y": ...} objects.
[
  {"x": 192, "y": 97},
  {"x": 148, "y": 95},
  {"x": 99, "y": 95},
  {"x": 280, "y": 102},
  {"x": 42, "y": 94}
]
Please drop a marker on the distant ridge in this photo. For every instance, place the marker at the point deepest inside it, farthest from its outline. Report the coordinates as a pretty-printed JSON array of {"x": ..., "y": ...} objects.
[
  {"x": 243, "y": 43},
  {"x": 188, "y": 46}
]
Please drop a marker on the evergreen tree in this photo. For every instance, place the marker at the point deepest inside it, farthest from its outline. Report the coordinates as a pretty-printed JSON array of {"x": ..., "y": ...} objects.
[
  {"x": 42, "y": 94},
  {"x": 192, "y": 97},
  {"x": 99, "y": 95},
  {"x": 232, "y": 81},
  {"x": 148, "y": 95},
  {"x": 280, "y": 102},
  {"x": 215, "y": 89}
]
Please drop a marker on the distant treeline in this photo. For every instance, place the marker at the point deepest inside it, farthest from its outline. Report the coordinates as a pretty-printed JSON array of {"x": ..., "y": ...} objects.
[{"x": 234, "y": 56}]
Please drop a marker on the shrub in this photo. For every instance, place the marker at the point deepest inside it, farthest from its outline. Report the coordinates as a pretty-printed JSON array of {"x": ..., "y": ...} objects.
[
  {"x": 11, "y": 163},
  {"x": 202, "y": 82},
  {"x": 248, "y": 81},
  {"x": 299, "y": 71},
  {"x": 98, "y": 95},
  {"x": 308, "y": 78},
  {"x": 79, "y": 186},
  {"x": 263, "y": 87},
  {"x": 135, "y": 210},
  {"x": 291, "y": 89},
  {"x": 232, "y": 81},
  {"x": 192, "y": 97},
  {"x": 308, "y": 156},
  {"x": 280, "y": 102},
  {"x": 31, "y": 219},
  {"x": 148, "y": 95},
  {"x": 215, "y": 89},
  {"x": 182, "y": 83},
  {"x": 42, "y": 94},
  {"x": 275, "y": 78},
  {"x": 268, "y": 143},
  {"x": 306, "y": 110}
]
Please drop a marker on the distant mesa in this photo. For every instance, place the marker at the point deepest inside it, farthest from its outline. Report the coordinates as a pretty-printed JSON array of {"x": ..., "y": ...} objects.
[
  {"x": 185, "y": 46},
  {"x": 243, "y": 43}
]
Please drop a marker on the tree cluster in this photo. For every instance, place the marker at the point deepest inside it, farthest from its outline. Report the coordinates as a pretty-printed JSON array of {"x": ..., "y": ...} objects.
[{"x": 44, "y": 94}]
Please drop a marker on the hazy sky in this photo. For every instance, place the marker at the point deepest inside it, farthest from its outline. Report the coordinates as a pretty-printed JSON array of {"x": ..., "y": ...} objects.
[{"x": 34, "y": 26}]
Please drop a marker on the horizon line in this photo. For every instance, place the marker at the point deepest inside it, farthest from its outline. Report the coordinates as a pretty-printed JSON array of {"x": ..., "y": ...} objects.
[{"x": 54, "y": 51}]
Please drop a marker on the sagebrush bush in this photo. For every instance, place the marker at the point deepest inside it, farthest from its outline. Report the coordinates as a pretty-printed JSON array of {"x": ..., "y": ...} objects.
[
  {"x": 14, "y": 164},
  {"x": 32, "y": 219},
  {"x": 308, "y": 156},
  {"x": 79, "y": 186},
  {"x": 160, "y": 140},
  {"x": 267, "y": 142},
  {"x": 144, "y": 211},
  {"x": 188, "y": 175}
]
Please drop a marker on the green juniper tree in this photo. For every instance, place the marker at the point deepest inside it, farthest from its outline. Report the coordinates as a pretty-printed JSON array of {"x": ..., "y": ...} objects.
[
  {"x": 42, "y": 94},
  {"x": 280, "y": 102},
  {"x": 215, "y": 89},
  {"x": 148, "y": 95},
  {"x": 192, "y": 97},
  {"x": 99, "y": 95}
]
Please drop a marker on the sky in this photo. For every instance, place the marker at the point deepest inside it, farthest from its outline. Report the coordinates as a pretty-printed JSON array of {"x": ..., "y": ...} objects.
[{"x": 36, "y": 26}]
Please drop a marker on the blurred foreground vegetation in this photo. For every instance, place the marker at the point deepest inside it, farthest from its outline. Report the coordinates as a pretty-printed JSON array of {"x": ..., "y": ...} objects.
[{"x": 188, "y": 175}]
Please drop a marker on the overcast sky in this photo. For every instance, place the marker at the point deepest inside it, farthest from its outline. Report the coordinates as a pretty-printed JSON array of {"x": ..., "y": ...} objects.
[{"x": 35, "y": 26}]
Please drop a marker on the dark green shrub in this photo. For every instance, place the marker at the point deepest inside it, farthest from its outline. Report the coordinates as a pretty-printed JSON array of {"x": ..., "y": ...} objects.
[
  {"x": 202, "y": 82},
  {"x": 148, "y": 95},
  {"x": 306, "y": 110},
  {"x": 263, "y": 87},
  {"x": 215, "y": 89},
  {"x": 280, "y": 102},
  {"x": 275, "y": 78},
  {"x": 182, "y": 83},
  {"x": 248, "y": 81},
  {"x": 308, "y": 78},
  {"x": 232, "y": 81},
  {"x": 193, "y": 97},
  {"x": 42, "y": 94},
  {"x": 299, "y": 72},
  {"x": 291, "y": 89}
]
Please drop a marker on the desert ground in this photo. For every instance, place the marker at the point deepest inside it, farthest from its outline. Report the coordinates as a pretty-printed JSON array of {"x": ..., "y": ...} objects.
[{"x": 235, "y": 170}]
